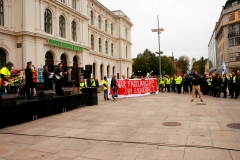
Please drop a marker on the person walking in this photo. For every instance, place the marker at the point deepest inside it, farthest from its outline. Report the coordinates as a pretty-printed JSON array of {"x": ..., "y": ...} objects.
[
  {"x": 196, "y": 86},
  {"x": 114, "y": 87},
  {"x": 105, "y": 88}
]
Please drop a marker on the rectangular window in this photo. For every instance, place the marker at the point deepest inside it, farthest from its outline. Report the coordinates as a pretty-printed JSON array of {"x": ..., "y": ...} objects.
[
  {"x": 63, "y": 1},
  {"x": 231, "y": 42},
  {"x": 237, "y": 41},
  {"x": 235, "y": 3},
  {"x": 237, "y": 56},
  {"x": 231, "y": 17},
  {"x": 232, "y": 57},
  {"x": 74, "y": 4},
  {"x": 1, "y": 12}
]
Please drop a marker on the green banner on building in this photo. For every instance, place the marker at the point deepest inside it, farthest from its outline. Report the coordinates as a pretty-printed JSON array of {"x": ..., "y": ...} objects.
[{"x": 64, "y": 45}]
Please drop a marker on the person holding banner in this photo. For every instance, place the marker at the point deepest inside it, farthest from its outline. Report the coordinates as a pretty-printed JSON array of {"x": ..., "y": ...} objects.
[
  {"x": 114, "y": 87},
  {"x": 105, "y": 88}
]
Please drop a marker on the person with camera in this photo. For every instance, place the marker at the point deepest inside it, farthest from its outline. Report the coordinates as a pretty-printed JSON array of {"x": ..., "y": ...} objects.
[{"x": 196, "y": 86}]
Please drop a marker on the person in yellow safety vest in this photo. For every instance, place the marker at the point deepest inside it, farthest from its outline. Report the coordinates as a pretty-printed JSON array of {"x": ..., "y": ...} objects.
[
  {"x": 81, "y": 84},
  {"x": 6, "y": 72},
  {"x": 209, "y": 88},
  {"x": 168, "y": 83},
  {"x": 93, "y": 83},
  {"x": 105, "y": 88},
  {"x": 236, "y": 82},
  {"x": 161, "y": 84},
  {"x": 179, "y": 83}
]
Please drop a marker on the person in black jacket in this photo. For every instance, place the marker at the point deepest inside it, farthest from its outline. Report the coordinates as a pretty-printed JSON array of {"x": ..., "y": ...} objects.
[
  {"x": 114, "y": 87},
  {"x": 59, "y": 76},
  {"x": 29, "y": 80},
  {"x": 224, "y": 86},
  {"x": 218, "y": 85},
  {"x": 46, "y": 74},
  {"x": 214, "y": 80},
  {"x": 196, "y": 86}
]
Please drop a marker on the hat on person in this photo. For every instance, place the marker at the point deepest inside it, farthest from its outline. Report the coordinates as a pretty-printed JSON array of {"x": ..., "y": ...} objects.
[
  {"x": 9, "y": 63},
  {"x": 30, "y": 62}
]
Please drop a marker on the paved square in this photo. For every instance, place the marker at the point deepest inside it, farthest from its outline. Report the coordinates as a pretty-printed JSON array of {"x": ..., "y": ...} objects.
[{"x": 131, "y": 129}]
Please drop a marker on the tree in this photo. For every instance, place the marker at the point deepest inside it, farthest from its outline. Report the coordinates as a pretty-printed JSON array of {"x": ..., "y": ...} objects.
[
  {"x": 148, "y": 61},
  {"x": 183, "y": 63},
  {"x": 200, "y": 64}
]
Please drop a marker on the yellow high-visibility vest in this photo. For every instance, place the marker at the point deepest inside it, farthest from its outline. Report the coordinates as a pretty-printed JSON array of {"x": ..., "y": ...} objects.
[{"x": 106, "y": 83}]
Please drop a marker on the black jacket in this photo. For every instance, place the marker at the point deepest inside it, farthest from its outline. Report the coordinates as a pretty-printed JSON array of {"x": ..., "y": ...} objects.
[
  {"x": 224, "y": 82},
  {"x": 113, "y": 83},
  {"x": 46, "y": 76},
  {"x": 218, "y": 82},
  {"x": 29, "y": 78},
  {"x": 197, "y": 80}
]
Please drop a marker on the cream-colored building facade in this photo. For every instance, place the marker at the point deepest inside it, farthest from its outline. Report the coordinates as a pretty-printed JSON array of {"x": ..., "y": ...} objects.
[{"x": 85, "y": 32}]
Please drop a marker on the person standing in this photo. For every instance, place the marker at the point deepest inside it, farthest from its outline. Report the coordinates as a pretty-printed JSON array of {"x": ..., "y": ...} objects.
[
  {"x": 168, "y": 83},
  {"x": 46, "y": 78},
  {"x": 29, "y": 80},
  {"x": 105, "y": 88},
  {"x": 6, "y": 75},
  {"x": 196, "y": 86},
  {"x": 161, "y": 84},
  {"x": 81, "y": 84},
  {"x": 59, "y": 77},
  {"x": 93, "y": 82},
  {"x": 214, "y": 80},
  {"x": 237, "y": 84},
  {"x": 114, "y": 87},
  {"x": 224, "y": 85},
  {"x": 179, "y": 84},
  {"x": 209, "y": 86}
]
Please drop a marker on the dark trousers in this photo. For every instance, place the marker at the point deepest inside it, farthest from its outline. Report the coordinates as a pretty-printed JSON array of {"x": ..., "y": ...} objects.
[
  {"x": 168, "y": 87},
  {"x": 231, "y": 88},
  {"x": 224, "y": 90},
  {"x": 173, "y": 87},
  {"x": 237, "y": 89},
  {"x": 179, "y": 86},
  {"x": 59, "y": 85},
  {"x": 209, "y": 90},
  {"x": 29, "y": 91},
  {"x": 46, "y": 85},
  {"x": 105, "y": 94}
]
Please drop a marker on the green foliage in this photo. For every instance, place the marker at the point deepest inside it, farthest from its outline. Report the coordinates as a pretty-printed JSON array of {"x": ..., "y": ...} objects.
[
  {"x": 199, "y": 65},
  {"x": 148, "y": 61},
  {"x": 183, "y": 64}
]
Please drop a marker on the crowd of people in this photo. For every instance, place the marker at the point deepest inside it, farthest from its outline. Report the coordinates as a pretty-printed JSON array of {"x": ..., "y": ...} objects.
[{"x": 212, "y": 85}]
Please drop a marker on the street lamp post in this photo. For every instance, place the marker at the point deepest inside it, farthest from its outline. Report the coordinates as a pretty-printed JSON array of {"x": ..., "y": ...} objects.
[
  {"x": 159, "y": 30},
  {"x": 160, "y": 72}
]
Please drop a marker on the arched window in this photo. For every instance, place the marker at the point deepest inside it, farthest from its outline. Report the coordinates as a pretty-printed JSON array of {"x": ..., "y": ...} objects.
[
  {"x": 48, "y": 21},
  {"x": 101, "y": 71},
  {"x": 99, "y": 22},
  {"x": 1, "y": 13},
  {"x": 62, "y": 26},
  {"x": 91, "y": 17},
  {"x": 100, "y": 45},
  {"x": 126, "y": 32},
  {"x": 2, "y": 58},
  {"x": 74, "y": 31},
  {"x": 106, "y": 47},
  {"x": 113, "y": 70},
  {"x": 108, "y": 71},
  {"x": 112, "y": 49},
  {"x": 63, "y": 60},
  {"x": 75, "y": 61},
  {"x": 111, "y": 29},
  {"x": 105, "y": 25},
  {"x": 74, "y": 4},
  {"x": 126, "y": 52},
  {"x": 92, "y": 42}
]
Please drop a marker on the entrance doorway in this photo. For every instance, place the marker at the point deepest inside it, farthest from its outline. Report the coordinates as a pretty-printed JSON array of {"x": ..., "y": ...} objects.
[
  {"x": 75, "y": 71},
  {"x": 2, "y": 58},
  {"x": 49, "y": 61}
]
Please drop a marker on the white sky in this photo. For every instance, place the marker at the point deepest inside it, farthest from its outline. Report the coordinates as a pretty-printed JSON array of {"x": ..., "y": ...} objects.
[{"x": 188, "y": 24}]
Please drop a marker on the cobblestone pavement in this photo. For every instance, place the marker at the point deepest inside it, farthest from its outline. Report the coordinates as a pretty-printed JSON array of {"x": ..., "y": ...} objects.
[{"x": 131, "y": 129}]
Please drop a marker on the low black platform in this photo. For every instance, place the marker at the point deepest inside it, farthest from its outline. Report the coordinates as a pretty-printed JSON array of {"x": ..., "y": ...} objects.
[{"x": 23, "y": 110}]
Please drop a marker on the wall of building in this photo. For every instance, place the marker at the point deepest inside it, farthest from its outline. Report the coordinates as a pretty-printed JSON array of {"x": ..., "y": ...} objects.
[{"x": 24, "y": 24}]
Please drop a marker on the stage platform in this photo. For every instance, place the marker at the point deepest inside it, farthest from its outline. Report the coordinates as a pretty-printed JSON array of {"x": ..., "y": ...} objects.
[{"x": 24, "y": 110}]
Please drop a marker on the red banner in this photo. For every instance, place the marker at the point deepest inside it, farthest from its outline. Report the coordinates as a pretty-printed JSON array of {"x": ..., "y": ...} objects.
[{"x": 136, "y": 87}]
